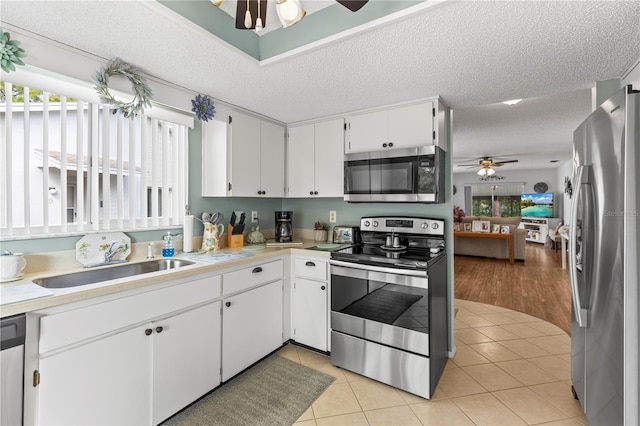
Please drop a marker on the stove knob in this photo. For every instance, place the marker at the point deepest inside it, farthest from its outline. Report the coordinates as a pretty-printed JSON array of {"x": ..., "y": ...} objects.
[
  {"x": 375, "y": 223},
  {"x": 425, "y": 225},
  {"x": 435, "y": 225},
  {"x": 367, "y": 223}
]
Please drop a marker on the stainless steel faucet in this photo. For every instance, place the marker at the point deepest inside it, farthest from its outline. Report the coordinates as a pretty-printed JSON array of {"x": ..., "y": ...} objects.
[
  {"x": 111, "y": 251},
  {"x": 108, "y": 255}
]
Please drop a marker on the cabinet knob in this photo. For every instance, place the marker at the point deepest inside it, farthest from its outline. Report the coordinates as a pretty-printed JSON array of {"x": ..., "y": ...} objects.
[
  {"x": 384, "y": 145},
  {"x": 323, "y": 287},
  {"x": 259, "y": 192},
  {"x": 227, "y": 304},
  {"x": 256, "y": 270},
  {"x": 390, "y": 144},
  {"x": 315, "y": 192},
  {"x": 310, "y": 263},
  {"x": 148, "y": 331},
  {"x": 159, "y": 329},
  {"x": 310, "y": 192}
]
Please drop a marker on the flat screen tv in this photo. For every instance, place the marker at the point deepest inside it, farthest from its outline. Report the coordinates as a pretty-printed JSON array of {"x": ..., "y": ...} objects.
[{"x": 536, "y": 204}]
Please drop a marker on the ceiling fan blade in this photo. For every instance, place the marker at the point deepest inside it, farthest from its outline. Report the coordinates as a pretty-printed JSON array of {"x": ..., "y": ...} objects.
[
  {"x": 468, "y": 165},
  {"x": 500, "y": 163},
  {"x": 353, "y": 5}
]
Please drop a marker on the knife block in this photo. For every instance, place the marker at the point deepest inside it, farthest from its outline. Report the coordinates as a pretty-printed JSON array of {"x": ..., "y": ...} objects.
[{"x": 234, "y": 241}]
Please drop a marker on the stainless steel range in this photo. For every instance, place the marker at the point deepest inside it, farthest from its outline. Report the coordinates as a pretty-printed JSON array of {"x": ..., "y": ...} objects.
[{"x": 389, "y": 303}]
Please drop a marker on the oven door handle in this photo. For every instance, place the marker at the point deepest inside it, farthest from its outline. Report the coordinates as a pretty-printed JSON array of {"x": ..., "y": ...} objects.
[{"x": 382, "y": 269}]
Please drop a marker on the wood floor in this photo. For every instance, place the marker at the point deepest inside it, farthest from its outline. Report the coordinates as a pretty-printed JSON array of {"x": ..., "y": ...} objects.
[{"x": 539, "y": 286}]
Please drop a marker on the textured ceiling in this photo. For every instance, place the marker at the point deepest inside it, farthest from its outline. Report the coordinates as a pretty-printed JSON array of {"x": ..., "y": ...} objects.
[{"x": 470, "y": 53}]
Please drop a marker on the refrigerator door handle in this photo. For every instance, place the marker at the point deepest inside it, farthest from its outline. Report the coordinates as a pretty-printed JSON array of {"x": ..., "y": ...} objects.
[{"x": 581, "y": 179}]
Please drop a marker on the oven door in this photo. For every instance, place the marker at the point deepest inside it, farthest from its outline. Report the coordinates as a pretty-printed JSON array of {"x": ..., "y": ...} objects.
[{"x": 382, "y": 305}]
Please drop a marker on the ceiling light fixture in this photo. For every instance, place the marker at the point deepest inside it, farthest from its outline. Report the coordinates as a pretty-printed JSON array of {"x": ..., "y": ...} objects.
[
  {"x": 289, "y": 12},
  {"x": 512, "y": 102},
  {"x": 486, "y": 170}
]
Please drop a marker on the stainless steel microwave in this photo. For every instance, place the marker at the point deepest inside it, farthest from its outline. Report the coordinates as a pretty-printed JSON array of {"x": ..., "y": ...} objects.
[{"x": 401, "y": 175}]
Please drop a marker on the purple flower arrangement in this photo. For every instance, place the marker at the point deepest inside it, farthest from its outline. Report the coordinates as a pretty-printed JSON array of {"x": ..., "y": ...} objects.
[{"x": 458, "y": 214}]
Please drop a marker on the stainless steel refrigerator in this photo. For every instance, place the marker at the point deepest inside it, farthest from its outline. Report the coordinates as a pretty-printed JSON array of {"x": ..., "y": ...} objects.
[{"x": 604, "y": 261}]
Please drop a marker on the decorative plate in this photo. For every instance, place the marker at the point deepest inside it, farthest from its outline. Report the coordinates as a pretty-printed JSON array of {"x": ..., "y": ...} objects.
[
  {"x": 90, "y": 248},
  {"x": 540, "y": 187}
]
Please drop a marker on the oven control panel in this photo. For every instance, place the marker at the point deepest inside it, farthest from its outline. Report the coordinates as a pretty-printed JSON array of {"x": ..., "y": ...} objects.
[{"x": 403, "y": 225}]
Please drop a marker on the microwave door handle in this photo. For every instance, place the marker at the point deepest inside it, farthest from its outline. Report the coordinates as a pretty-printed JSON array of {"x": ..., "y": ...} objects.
[{"x": 581, "y": 181}]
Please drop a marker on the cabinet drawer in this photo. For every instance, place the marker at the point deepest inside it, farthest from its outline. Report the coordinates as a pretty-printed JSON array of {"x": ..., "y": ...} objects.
[
  {"x": 311, "y": 268},
  {"x": 252, "y": 276},
  {"x": 73, "y": 326}
]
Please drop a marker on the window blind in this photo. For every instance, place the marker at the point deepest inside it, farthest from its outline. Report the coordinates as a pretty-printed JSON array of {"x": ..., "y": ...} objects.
[{"x": 69, "y": 165}]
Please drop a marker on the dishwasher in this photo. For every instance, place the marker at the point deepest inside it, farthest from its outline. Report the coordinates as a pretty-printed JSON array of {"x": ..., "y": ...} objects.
[{"x": 12, "y": 334}]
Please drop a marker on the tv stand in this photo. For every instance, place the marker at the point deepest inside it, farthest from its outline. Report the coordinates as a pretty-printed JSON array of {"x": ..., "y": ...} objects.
[{"x": 537, "y": 228}]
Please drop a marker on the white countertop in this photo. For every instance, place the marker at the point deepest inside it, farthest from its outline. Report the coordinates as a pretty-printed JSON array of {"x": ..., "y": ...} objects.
[{"x": 24, "y": 296}]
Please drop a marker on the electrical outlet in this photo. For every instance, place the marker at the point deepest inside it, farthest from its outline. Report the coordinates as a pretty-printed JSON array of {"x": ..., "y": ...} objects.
[
  {"x": 254, "y": 216},
  {"x": 332, "y": 216}
]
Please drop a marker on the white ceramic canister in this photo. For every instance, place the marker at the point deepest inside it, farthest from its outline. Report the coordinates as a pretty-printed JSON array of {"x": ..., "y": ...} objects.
[{"x": 11, "y": 265}]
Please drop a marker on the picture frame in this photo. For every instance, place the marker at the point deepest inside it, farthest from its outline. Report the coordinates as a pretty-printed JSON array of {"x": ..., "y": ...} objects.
[
  {"x": 481, "y": 226},
  {"x": 456, "y": 226},
  {"x": 495, "y": 228},
  {"x": 467, "y": 227},
  {"x": 505, "y": 229}
]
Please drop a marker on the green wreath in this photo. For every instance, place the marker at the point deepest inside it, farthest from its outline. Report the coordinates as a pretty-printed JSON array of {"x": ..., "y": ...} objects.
[{"x": 142, "y": 95}]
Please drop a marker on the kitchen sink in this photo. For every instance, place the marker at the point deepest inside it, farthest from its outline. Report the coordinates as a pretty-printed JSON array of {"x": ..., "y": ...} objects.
[{"x": 119, "y": 271}]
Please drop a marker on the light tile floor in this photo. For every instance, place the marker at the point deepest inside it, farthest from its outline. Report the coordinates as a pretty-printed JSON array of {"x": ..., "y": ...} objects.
[{"x": 510, "y": 369}]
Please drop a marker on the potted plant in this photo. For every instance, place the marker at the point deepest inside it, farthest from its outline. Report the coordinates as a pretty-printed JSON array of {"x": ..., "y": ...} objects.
[{"x": 320, "y": 231}]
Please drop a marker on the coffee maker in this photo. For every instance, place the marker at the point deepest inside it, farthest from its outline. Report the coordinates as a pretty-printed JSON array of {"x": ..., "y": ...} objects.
[{"x": 284, "y": 229}]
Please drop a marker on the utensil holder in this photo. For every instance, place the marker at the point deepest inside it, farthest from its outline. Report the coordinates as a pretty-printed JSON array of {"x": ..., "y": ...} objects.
[{"x": 234, "y": 241}]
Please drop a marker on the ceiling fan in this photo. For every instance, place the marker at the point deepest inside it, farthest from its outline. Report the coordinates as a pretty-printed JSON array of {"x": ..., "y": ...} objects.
[
  {"x": 486, "y": 165},
  {"x": 251, "y": 14}
]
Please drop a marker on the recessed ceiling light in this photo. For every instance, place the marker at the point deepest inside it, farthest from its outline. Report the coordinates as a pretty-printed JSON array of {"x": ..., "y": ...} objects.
[{"x": 512, "y": 102}]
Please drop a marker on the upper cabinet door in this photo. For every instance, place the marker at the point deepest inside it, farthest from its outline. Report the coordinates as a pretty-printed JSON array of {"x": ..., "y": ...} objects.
[
  {"x": 245, "y": 155},
  {"x": 272, "y": 156},
  {"x": 398, "y": 127},
  {"x": 329, "y": 158},
  {"x": 367, "y": 132},
  {"x": 411, "y": 126},
  {"x": 301, "y": 168}
]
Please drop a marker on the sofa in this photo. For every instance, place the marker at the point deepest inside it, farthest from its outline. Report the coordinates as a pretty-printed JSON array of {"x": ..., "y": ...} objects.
[{"x": 495, "y": 248}]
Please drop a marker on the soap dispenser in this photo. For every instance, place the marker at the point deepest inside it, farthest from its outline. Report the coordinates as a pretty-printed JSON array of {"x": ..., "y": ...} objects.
[{"x": 168, "y": 250}]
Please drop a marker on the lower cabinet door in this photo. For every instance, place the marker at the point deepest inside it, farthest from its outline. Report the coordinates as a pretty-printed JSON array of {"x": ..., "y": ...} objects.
[
  {"x": 105, "y": 382},
  {"x": 186, "y": 359},
  {"x": 251, "y": 327},
  {"x": 310, "y": 313}
]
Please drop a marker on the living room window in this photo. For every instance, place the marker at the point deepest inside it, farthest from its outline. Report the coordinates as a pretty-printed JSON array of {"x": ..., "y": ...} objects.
[
  {"x": 68, "y": 165},
  {"x": 496, "y": 200}
]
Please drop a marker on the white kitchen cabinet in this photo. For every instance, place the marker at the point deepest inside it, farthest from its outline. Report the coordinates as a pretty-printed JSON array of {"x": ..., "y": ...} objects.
[
  {"x": 316, "y": 159},
  {"x": 398, "y": 127},
  {"x": 301, "y": 161},
  {"x": 311, "y": 302},
  {"x": 158, "y": 354},
  {"x": 251, "y": 327},
  {"x": 257, "y": 157},
  {"x": 186, "y": 359},
  {"x": 106, "y": 381}
]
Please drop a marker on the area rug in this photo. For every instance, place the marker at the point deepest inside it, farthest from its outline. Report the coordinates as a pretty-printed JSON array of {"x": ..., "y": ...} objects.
[{"x": 274, "y": 392}]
